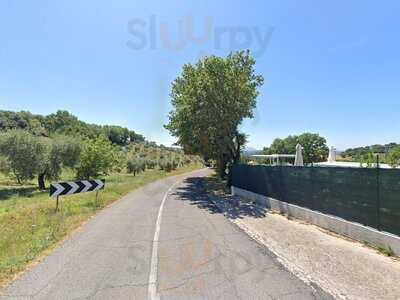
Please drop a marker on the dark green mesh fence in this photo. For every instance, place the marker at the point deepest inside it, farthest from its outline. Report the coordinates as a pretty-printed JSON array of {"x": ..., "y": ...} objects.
[{"x": 367, "y": 196}]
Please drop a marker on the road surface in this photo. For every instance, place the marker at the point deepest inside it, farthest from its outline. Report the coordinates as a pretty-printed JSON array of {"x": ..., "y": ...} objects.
[{"x": 164, "y": 241}]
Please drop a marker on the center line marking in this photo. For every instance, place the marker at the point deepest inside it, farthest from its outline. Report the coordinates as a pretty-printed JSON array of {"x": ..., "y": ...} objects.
[{"x": 152, "y": 292}]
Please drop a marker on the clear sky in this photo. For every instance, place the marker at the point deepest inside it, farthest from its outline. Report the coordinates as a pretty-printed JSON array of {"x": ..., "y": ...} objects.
[{"x": 331, "y": 67}]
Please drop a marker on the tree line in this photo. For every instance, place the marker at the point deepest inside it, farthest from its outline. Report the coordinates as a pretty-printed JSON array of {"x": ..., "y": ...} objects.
[
  {"x": 316, "y": 150},
  {"x": 314, "y": 146},
  {"x": 359, "y": 151},
  {"x": 64, "y": 123},
  {"x": 388, "y": 153}
]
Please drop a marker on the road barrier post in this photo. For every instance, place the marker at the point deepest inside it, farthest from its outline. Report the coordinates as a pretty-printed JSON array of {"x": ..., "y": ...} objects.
[
  {"x": 58, "y": 189},
  {"x": 378, "y": 195}
]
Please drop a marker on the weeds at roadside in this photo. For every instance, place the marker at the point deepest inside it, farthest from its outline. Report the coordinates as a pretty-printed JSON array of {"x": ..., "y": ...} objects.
[{"x": 387, "y": 251}]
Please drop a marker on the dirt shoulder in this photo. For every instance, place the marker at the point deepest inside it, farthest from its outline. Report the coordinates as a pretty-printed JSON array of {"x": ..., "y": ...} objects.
[{"x": 344, "y": 268}]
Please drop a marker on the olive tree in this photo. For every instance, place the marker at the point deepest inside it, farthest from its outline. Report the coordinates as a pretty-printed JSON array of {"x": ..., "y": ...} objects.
[
  {"x": 136, "y": 165},
  {"x": 27, "y": 156},
  {"x": 210, "y": 100},
  {"x": 97, "y": 158},
  {"x": 62, "y": 151},
  {"x": 23, "y": 152}
]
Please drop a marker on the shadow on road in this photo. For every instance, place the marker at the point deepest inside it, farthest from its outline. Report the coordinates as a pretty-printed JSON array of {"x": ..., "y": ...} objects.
[{"x": 195, "y": 191}]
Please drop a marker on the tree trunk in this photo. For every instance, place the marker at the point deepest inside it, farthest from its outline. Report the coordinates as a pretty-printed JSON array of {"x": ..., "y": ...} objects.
[
  {"x": 236, "y": 159},
  {"x": 41, "y": 182},
  {"x": 221, "y": 165}
]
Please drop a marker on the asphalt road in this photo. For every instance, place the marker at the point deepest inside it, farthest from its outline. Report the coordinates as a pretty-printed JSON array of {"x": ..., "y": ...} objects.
[{"x": 164, "y": 241}]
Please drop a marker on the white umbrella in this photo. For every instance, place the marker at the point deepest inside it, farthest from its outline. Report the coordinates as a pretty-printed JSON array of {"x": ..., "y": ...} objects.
[
  {"x": 298, "y": 161},
  {"x": 332, "y": 155}
]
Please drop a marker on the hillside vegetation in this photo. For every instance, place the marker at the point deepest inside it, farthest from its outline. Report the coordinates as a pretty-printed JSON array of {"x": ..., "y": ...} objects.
[
  {"x": 35, "y": 150},
  {"x": 64, "y": 123},
  {"x": 378, "y": 149},
  {"x": 35, "y": 146}
]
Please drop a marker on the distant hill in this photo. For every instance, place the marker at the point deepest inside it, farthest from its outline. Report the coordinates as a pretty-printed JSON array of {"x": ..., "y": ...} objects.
[
  {"x": 63, "y": 122},
  {"x": 382, "y": 149},
  {"x": 251, "y": 151}
]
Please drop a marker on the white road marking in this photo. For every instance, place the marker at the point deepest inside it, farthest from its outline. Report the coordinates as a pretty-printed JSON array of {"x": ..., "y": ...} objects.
[{"x": 152, "y": 291}]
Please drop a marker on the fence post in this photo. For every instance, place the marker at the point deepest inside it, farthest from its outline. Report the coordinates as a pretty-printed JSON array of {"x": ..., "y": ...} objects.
[
  {"x": 378, "y": 195},
  {"x": 281, "y": 185}
]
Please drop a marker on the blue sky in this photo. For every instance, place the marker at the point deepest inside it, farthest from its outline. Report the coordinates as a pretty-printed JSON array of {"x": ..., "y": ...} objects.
[{"x": 329, "y": 67}]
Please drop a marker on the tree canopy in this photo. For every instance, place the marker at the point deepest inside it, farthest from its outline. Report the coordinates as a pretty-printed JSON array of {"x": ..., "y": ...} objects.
[
  {"x": 210, "y": 100},
  {"x": 314, "y": 147}
]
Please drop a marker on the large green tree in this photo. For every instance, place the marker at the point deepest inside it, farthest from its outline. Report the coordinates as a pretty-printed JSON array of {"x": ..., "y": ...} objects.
[
  {"x": 210, "y": 100},
  {"x": 314, "y": 147}
]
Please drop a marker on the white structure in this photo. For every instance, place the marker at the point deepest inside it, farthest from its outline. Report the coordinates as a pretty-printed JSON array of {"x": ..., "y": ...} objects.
[
  {"x": 275, "y": 159},
  {"x": 345, "y": 164},
  {"x": 298, "y": 160},
  {"x": 332, "y": 155}
]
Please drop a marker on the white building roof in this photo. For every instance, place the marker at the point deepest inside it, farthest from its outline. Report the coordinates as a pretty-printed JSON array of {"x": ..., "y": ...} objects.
[{"x": 274, "y": 156}]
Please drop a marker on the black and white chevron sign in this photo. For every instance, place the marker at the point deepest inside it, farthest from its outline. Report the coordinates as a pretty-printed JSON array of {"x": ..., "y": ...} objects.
[{"x": 74, "y": 187}]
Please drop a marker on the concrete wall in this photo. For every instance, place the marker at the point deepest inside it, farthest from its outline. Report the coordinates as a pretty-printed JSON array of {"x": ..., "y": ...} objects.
[{"x": 350, "y": 229}]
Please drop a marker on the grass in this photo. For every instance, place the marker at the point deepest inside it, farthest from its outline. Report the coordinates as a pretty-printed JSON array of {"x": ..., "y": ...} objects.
[
  {"x": 29, "y": 224},
  {"x": 387, "y": 251}
]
